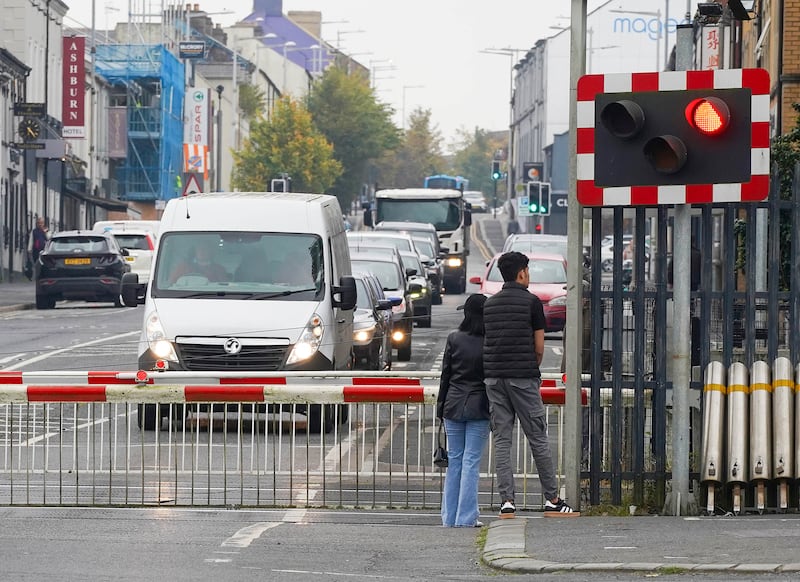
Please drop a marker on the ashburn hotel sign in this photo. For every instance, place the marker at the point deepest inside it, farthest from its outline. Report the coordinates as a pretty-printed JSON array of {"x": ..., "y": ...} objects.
[{"x": 74, "y": 77}]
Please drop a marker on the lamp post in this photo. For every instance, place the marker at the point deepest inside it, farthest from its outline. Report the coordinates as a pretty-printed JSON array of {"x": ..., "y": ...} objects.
[
  {"x": 403, "y": 107},
  {"x": 513, "y": 54},
  {"x": 339, "y": 34},
  {"x": 286, "y": 46},
  {"x": 220, "y": 89}
]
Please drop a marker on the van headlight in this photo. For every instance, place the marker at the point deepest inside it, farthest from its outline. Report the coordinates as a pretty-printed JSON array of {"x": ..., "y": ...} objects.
[
  {"x": 309, "y": 341},
  {"x": 453, "y": 262},
  {"x": 157, "y": 340}
]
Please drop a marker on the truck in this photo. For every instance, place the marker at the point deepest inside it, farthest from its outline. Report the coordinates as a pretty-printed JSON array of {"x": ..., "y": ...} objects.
[{"x": 447, "y": 211}]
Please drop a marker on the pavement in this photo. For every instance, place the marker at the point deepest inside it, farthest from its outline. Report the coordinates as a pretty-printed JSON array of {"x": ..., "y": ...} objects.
[
  {"x": 17, "y": 294},
  {"x": 746, "y": 544}
]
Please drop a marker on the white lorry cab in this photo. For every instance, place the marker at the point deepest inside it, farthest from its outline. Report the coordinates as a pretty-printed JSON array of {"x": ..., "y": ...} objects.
[{"x": 247, "y": 282}]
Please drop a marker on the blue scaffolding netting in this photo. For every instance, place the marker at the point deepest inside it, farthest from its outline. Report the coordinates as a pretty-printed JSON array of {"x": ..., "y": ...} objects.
[{"x": 152, "y": 82}]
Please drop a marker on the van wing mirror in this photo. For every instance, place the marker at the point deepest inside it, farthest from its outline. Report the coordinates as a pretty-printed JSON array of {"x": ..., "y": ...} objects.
[
  {"x": 467, "y": 217},
  {"x": 414, "y": 288},
  {"x": 410, "y": 272},
  {"x": 346, "y": 290},
  {"x": 395, "y": 301}
]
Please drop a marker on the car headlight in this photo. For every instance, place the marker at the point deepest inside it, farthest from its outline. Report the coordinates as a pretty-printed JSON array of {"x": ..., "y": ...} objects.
[
  {"x": 453, "y": 262},
  {"x": 162, "y": 348},
  {"x": 309, "y": 341},
  {"x": 363, "y": 333},
  {"x": 558, "y": 301}
]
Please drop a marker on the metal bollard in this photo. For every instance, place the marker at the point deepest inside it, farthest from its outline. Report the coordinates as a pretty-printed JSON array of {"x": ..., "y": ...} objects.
[
  {"x": 712, "y": 463},
  {"x": 737, "y": 464},
  {"x": 760, "y": 430},
  {"x": 783, "y": 428}
]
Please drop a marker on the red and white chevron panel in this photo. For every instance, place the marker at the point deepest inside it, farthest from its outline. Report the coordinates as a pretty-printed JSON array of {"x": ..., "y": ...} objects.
[
  {"x": 179, "y": 387},
  {"x": 757, "y": 80}
]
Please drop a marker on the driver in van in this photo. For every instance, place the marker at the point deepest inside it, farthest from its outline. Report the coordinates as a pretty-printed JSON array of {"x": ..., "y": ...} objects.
[{"x": 202, "y": 263}]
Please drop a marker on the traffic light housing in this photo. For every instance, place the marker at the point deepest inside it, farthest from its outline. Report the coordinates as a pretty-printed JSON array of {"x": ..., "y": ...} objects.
[
  {"x": 673, "y": 137},
  {"x": 539, "y": 198},
  {"x": 497, "y": 174}
]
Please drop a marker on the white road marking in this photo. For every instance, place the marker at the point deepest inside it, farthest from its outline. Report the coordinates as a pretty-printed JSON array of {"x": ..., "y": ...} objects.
[
  {"x": 245, "y": 536},
  {"x": 328, "y": 573},
  {"x": 74, "y": 348},
  {"x": 10, "y": 358}
]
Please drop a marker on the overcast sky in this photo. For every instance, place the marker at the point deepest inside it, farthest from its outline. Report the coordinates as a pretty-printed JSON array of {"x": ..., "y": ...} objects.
[{"x": 434, "y": 46}]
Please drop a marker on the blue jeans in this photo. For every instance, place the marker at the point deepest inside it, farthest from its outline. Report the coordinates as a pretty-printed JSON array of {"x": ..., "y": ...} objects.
[{"x": 465, "y": 443}]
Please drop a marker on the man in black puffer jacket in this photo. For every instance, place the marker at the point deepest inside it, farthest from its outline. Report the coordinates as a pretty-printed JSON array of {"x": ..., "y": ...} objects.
[{"x": 512, "y": 351}]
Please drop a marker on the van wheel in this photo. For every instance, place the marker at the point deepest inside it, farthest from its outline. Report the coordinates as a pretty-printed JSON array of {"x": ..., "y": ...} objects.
[
  {"x": 425, "y": 320},
  {"x": 315, "y": 421},
  {"x": 148, "y": 417},
  {"x": 44, "y": 302}
]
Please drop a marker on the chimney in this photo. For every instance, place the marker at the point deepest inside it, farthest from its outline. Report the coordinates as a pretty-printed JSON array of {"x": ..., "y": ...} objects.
[{"x": 268, "y": 7}]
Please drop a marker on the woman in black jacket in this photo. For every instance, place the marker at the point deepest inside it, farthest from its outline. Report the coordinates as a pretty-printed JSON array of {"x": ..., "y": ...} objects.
[{"x": 464, "y": 407}]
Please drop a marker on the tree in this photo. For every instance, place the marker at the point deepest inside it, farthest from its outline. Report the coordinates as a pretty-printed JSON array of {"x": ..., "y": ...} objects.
[
  {"x": 252, "y": 100},
  {"x": 419, "y": 155},
  {"x": 474, "y": 157},
  {"x": 345, "y": 110},
  {"x": 288, "y": 142}
]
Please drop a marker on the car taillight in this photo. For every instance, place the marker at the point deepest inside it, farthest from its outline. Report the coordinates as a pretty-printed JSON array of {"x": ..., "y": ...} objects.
[{"x": 150, "y": 245}]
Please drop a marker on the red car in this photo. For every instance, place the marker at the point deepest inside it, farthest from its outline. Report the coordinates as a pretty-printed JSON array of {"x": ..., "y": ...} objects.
[{"x": 548, "y": 282}]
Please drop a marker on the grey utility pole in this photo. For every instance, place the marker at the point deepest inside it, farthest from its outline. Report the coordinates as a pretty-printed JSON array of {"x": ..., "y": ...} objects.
[
  {"x": 572, "y": 407},
  {"x": 678, "y": 501}
]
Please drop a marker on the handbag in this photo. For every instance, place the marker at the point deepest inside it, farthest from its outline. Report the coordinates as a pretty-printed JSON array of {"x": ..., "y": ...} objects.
[
  {"x": 28, "y": 269},
  {"x": 440, "y": 454}
]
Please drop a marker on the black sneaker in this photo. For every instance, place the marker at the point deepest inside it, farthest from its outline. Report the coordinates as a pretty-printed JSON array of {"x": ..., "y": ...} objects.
[
  {"x": 560, "y": 506},
  {"x": 508, "y": 510}
]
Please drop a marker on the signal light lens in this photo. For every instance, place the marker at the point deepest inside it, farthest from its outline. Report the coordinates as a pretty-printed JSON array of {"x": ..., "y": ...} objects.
[
  {"x": 623, "y": 119},
  {"x": 708, "y": 115},
  {"x": 666, "y": 153}
]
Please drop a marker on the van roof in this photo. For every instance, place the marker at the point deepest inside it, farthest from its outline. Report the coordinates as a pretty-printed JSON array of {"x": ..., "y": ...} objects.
[{"x": 421, "y": 193}]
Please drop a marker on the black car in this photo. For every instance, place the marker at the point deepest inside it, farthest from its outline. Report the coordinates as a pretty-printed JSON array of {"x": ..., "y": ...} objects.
[
  {"x": 372, "y": 324},
  {"x": 395, "y": 284},
  {"x": 80, "y": 265}
]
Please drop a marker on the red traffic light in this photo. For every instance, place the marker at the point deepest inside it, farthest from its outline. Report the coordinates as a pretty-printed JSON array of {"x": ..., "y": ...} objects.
[{"x": 708, "y": 115}]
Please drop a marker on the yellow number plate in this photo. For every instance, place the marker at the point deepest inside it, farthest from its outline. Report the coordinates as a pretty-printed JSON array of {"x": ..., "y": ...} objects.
[
  {"x": 85, "y": 261},
  {"x": 130, "y": 259}
]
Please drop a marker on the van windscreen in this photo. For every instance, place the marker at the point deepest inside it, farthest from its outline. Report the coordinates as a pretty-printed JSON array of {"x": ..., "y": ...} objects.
[{"x": 240, "y": 265}]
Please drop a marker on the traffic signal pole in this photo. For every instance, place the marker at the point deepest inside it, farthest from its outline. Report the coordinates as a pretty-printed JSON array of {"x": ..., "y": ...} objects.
[
  {"x": 679, "y": 501},
  {"x": 573, "y": 427}
]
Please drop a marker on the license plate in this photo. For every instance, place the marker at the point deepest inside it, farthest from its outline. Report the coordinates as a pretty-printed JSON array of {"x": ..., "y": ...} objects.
[
  {"x": 85, "y": 261},
  {"x": 130, "y": 259}
]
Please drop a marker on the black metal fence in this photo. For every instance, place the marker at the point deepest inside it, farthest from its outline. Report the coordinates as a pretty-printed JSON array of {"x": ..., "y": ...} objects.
[{"x": 745, "y": 307}]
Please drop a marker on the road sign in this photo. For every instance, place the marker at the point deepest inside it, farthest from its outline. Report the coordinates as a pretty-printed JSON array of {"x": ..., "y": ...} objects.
[
  {"x": 192, "y": 185},
  {"x": 645, "y": 138},
  {"x": 524, "y": 208},
  {"x": 532, "y": 171}
]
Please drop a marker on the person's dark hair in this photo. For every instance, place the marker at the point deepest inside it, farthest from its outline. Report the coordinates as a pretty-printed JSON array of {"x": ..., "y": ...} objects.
[
  {"x": 473, "y": 315},
  {"x": 510, "y": 264}
]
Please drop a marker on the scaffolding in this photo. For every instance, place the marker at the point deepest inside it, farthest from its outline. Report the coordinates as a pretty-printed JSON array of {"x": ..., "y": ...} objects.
[{"x": 149, "y": 81}]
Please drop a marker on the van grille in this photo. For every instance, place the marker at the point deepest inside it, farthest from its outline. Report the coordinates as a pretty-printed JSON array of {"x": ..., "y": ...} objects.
[{"x": 204, "y": 357}]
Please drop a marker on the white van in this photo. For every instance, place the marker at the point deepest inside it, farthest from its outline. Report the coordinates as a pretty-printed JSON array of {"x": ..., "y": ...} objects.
[{"x": 247, "y": 282}]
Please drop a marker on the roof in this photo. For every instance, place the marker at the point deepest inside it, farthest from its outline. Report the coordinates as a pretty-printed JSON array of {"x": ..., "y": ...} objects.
[
  {"x": 389, "y": 225},
  {"x": 287, "y": 30}
]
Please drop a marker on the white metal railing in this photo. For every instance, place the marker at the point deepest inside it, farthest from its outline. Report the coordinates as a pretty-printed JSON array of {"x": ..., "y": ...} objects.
[{"x": 73, "y": 439}]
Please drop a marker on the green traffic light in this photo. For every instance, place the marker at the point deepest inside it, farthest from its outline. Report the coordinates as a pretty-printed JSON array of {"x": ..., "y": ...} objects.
[{"x": 534, "y": 208}]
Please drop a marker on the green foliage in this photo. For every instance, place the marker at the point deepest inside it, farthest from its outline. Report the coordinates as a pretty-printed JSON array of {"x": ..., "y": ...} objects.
[
  {"x": 419, "y": 155},
  {"x": 785, "y": 154},
  {"x": 287, "y": 142},
  {"x": 252, "y": 100},
  {"x": 346, "y": 112},
  {"x": 473, "y": 160}
]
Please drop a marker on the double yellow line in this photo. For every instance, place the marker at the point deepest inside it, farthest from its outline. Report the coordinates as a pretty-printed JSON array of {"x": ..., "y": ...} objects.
[{"x": 487, "y": 254}]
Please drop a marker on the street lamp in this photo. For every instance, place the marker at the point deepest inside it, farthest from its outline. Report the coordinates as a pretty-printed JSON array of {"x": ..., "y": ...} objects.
[
  {"x": 403, "y": 108},
  {"x": 286, "y": 46},
  {"x": 220, "y": 89},
  {"x": 339, "y": 34},
  {"x": 513, "y": 54}
]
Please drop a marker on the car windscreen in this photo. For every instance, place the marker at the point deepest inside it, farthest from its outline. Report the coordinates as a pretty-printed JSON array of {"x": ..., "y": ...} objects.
[
  {"x": 424, "y": 247},
  {"x": 541, "y": 271},
  {"x": 362, "y": 295},
  {"x": 555, "y": 247},
  {"x": 240, "y": 265},
  {"x": 401, "y": 244},
  {"x": 443, "y": 214},
  {"x": 388, "y": 273}
]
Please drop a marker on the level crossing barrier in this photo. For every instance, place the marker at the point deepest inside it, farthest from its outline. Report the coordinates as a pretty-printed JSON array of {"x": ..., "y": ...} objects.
[{"x": 234, "y": 440}]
